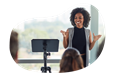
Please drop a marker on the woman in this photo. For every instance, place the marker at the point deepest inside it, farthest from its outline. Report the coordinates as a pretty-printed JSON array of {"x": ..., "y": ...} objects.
[
  {"x": 79, "y": 37},
  {"x": 71, "y": 61}
]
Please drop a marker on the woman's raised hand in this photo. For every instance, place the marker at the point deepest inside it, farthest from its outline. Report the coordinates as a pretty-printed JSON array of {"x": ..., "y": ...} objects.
[
  {"x": 64, "y": 33},
  {"x": 95, "y": 38}
]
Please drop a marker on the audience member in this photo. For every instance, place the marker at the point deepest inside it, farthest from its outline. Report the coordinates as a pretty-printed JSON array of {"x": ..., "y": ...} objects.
[{"x": 71, "y": 60}]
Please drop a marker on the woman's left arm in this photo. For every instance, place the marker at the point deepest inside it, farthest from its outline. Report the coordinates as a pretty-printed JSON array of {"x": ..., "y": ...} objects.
[{"x": 95, "y": 38}]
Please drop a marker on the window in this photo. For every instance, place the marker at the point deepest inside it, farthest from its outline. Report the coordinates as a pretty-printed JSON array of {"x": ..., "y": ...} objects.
[{"x": 43, "y": 29}]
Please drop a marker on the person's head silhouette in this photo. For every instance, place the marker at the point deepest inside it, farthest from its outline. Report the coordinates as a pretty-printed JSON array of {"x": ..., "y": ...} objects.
[{"x": 71, "y": 60}]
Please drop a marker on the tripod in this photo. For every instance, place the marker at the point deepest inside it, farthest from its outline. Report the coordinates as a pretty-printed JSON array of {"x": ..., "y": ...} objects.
[
  {"x": 45, "y": 68},
  {"x": 45, "y": 45}
]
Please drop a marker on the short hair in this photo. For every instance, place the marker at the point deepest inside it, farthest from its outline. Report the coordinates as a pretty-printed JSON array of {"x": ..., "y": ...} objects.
[
  {"x": 71, "y": 61},
  {"x": 85, "y": 14},
  {"x": 13, "y": 43}
]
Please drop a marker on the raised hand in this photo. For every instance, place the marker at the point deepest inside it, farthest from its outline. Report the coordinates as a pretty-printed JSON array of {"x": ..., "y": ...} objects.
[
  {"x": 64, "y": 33},
  {"x": 95, "y": 38}
]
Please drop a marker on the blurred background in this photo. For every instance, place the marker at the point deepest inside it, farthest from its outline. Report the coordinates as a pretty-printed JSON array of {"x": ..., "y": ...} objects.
[{"x": 49, "y": 28}]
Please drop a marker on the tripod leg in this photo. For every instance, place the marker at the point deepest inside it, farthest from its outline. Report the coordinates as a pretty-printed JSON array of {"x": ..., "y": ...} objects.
[
  {"x": 43, "y": 69},
  {"x": 49, "y": 69}
]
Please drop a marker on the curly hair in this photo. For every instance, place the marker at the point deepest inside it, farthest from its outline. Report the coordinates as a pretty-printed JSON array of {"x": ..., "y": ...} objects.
[{"x": 84, "y": 13}]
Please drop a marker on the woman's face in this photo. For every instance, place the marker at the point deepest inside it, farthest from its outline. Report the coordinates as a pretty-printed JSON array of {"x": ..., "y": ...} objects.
[{"x": 79, "y": 19}]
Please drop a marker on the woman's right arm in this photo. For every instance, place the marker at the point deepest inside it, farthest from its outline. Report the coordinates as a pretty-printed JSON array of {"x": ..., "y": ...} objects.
[{"x": 65, "y": 38}]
